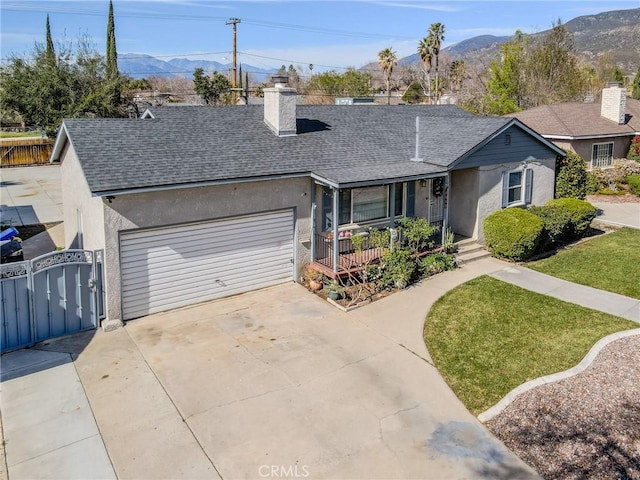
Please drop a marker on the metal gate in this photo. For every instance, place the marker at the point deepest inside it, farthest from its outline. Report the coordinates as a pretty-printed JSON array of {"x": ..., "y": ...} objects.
[{"x": 52, "y": 295}]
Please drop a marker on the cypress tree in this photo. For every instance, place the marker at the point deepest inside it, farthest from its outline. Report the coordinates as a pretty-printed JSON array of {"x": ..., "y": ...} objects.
[
  {"x": 240, "y": 78},
  {"x": 112, "y": 54},
  {"x": 50, "y": 52}
]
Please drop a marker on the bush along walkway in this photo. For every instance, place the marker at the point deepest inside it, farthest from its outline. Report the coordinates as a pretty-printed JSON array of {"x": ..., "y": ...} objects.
[{"x": 589, "y": 297}]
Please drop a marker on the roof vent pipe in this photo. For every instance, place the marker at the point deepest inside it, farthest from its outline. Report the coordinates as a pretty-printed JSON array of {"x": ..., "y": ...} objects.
[{"x": 417, "y": 158}]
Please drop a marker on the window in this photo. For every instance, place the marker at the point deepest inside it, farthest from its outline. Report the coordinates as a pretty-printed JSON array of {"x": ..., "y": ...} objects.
[
  {"x": 362, "y": 205},
  {"x": 370, "y": 203},
  {"x": 517, "y": 187},
  {"x": 602, "y": 155}
]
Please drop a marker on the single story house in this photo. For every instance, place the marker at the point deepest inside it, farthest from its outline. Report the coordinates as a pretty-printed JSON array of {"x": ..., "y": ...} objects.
[
  {"x": 598, "y": 132},
  {"x": 191, "y": 204}
]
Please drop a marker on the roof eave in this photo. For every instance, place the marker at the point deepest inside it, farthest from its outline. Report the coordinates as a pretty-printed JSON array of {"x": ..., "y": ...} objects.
[{"x": 58, "y": 146}]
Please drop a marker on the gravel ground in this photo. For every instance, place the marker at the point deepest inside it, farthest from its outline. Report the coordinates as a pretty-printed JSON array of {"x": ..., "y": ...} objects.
[{"x": 583, "y": 427}]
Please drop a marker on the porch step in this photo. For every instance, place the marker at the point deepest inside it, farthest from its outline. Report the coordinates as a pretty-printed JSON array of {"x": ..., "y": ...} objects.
[{"x": 469, "y": 250}]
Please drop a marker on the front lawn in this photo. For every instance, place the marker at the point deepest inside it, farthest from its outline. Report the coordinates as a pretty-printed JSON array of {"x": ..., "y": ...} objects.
[
  {"x": 486, "y": 337},
  {"x": 610, "y": 262}
]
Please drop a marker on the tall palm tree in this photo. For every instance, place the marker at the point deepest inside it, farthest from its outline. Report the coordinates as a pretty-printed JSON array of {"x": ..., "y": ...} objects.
[
  {"x": 435, "y": 37},
  {"x": 387, "y": 60},
  {"x": 425, "y": 52}
]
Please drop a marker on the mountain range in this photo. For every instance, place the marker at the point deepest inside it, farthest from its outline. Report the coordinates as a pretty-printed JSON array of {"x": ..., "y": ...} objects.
[
  {"x": 142, "y": 66},
  {"x": 617, "y": 32}
]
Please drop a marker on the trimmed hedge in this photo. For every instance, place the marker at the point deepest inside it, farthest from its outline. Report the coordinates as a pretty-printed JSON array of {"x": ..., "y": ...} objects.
[
  {"x": 556, "y": 223},
  {"x": 512, "y": 233},
  {"x": 634, "y": 184},
  {"x": 580, "y": 213}
]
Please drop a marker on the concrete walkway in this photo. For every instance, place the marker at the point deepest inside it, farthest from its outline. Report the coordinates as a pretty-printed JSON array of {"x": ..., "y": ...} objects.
[
  {"x": 589, "y": 297},
  {"x": 276, "y": 377},
  {"x": 48, "y": 426}
]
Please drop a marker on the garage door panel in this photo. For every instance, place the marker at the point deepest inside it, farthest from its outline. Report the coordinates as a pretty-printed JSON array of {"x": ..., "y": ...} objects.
[
  {"x": 172, "y": 284},
  {"x": 187, "y": 246},
  {"x": 174, "y": 266},
  {"x": 181, "y": 265}
]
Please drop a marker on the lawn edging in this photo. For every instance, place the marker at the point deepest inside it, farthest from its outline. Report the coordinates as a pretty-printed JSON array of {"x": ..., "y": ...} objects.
[{"x": 554, "y": 377}]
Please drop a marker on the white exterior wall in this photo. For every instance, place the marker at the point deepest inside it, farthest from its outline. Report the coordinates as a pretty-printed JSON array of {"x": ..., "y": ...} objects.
[
  {"x": 477, "y": 192},
  {"x": 490, "y": 188},
  {"x": 171, "y": 207},
  {"x": 77, "y": 196}
]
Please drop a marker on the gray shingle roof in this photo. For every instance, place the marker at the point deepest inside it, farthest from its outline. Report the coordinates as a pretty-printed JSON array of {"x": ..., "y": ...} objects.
[{"x": 344, "y": 144}]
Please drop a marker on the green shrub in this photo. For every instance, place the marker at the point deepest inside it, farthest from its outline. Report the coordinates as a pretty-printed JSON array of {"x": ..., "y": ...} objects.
[
  {"x": 556, "y": 224},
  {"x": 580, "y": 213},
  {"x": 416, "y": 233},
  {"x": 571, "y": 177},
  {"x": 398, "y": 267},
  {"x": 634, "y": 184},
  {"x": 634, "y": 149},
  {"x": 512, "y": 233},
  {"x": 593, "y": 185},
  {"x": 436, "y": 263}
]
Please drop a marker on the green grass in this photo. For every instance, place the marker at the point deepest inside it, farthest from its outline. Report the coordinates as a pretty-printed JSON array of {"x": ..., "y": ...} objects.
[
  {"x": 19, "y": 134},
  {"x": 610, "y": 262},
  {"x": 487, "y": 337}
]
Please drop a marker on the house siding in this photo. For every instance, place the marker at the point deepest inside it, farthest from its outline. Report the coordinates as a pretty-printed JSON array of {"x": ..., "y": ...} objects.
[
  {"x": 521, "y": 147},
  {"x": 173, "y": 207},
  {"x": 464, "y": 200}
]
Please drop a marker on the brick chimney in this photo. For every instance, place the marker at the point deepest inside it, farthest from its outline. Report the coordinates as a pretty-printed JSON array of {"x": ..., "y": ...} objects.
[
  {"x": 614, "y": 99},
  {"x": 280, "y": 107}
]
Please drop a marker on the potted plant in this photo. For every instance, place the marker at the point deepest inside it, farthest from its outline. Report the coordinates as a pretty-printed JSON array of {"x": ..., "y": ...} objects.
[
  {"x": 314, "y": 278},
  {"x": 335, "y": 291}
]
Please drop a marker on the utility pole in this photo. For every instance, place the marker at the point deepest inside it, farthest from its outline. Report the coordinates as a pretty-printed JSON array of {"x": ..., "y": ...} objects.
[{"x": 234, "y": 80}]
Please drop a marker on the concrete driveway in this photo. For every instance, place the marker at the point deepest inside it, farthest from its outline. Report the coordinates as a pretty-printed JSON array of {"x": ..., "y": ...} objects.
[
  {"x": 278, "y": 383},
  {"x": 30, "y": 195}
]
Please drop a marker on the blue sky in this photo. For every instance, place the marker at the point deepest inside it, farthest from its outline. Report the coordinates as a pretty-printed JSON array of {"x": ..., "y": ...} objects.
[{"x": 328, "y": 34}]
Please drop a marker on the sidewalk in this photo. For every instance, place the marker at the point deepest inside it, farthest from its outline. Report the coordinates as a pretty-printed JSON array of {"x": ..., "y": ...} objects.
[
  {"x": 589, "y": 297},
  {"x": 48, "y": 425}
]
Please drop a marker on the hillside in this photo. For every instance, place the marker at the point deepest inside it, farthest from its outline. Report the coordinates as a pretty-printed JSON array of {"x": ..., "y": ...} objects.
[
  {"x": 616, "y": 31},
  {"x": 141, "y": 66}
]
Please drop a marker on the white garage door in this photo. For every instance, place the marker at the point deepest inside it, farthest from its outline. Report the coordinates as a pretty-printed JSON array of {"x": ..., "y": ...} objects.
[{"x": 171, "y": 267}]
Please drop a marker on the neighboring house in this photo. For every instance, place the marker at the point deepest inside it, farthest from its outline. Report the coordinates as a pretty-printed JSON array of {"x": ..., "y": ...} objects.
[
  {"x": 598, "y": 132},
  {"x": 196, "y": 203}
]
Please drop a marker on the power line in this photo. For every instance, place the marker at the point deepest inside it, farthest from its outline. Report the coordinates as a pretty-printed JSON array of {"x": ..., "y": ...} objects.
[{"x": 161, "y": 16}]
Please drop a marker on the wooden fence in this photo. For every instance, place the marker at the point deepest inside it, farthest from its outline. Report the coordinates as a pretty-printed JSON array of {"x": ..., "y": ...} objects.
[{"x": 25, "y": 151}]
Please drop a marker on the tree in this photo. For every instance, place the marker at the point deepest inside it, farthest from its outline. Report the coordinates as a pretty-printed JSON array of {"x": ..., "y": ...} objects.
[
  {"x": 635, "y": 91},
  {"x": 325, "y": 87},
  {"x": 435, "y": 37},
  {"x": 414, "y": 94},
  {"x": 571, "y": 178},
  {"x": 214, "y": 89},
  {"x": 504, "y": 86},
  {"x": 112, "y": 54},
  {"x": 425, "y": 52},
  {"x": 535, "y": 71},
  {"x": 387, "y": 60},
  {"x": 457, "y": 72},
  {"x": 50, "y": 52}
]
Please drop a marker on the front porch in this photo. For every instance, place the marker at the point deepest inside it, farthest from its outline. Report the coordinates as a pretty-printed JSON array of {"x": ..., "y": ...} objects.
[
  {"x": 351, "y": 260},
  {"x": 340, "y": 212}
]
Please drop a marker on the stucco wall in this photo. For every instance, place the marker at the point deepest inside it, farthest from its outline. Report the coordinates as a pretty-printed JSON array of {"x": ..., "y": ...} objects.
[
  {"x": 463, "y": 201},
  {"x": 490, "y": 188},
  {"x": 77, "y": 196},
  {"x": 170, "y": 207},
  {"x": 584, "y": 148}
]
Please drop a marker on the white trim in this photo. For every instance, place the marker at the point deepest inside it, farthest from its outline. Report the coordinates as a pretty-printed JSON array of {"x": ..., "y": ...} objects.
[{"x": 609, "y": 160}]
